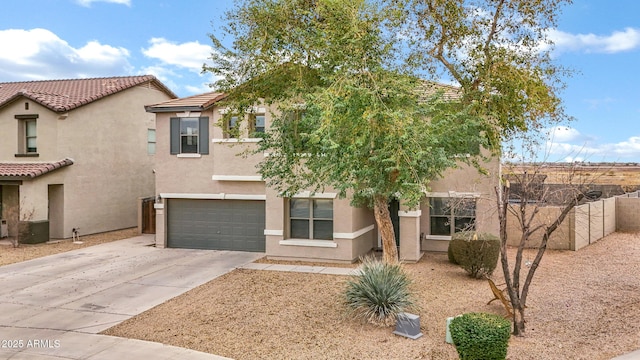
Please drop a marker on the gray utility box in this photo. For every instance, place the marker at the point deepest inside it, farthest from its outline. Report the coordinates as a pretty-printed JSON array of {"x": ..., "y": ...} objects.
[
  {"x": 33, "y": 232},
  {"x": 408, "y": 325}
]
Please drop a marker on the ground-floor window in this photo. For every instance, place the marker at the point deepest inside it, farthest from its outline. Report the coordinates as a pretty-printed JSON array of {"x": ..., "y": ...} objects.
[
  {"x": 311, "y": 219},
  {"x": 449, "y": 215}
]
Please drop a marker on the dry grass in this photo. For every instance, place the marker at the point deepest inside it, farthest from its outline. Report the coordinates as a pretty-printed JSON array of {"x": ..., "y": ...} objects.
[
  {"x": 10, "y": 255},
  {"x": 582, "y": 305}
]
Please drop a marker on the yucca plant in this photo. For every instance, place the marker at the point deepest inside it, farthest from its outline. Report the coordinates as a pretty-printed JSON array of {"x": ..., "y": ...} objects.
[{"x": 379, "y": 293}]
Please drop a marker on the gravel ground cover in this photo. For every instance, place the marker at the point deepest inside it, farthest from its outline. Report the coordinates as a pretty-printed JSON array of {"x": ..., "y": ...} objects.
[
  {"x": 10, "y": 255},
  {"x": 582, "y": 305}
]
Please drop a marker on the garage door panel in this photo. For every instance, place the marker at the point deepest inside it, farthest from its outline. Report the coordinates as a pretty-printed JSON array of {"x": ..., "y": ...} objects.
[{"x": 216, "y": 224}]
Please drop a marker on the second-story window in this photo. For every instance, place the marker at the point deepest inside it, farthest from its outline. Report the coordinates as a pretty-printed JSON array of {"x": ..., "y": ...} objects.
[
  {"x": 189, "y": 135},
  {"x": 256, "y": 124},
  {"x": 232, "y": 129},
  {"x": 151, "y": 141},
  {"x": 31, "y": 136},
  {"x": 27, "y": 135}
]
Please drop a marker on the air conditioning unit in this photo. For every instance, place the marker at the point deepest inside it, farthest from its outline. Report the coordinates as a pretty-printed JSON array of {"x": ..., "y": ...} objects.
[{"x": 4, "y": 229}]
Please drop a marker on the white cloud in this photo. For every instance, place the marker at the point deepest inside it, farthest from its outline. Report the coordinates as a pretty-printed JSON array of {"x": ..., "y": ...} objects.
[
  {"x": 39, "y": 54},
  {"x": 562, "y": 134},
  {"x": 599, "y": 102},
  {"x": 618, "y": 41},
  {"x": 94, "y": 51},
  {"x": 569, "y": 148},
  {"x": 87, "y": 3},
  {"x": 202, "y": 88},
  {"x": 189, "y": 55}
]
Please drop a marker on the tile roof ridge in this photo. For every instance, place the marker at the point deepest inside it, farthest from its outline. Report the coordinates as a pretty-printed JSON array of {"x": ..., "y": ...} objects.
[
  {"x": 146, "y": 77},
  {"x": 32, "y": 169}
]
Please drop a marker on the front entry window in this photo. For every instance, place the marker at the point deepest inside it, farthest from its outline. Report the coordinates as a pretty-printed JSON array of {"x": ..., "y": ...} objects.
[
  {"x": 311, "y": 219},
  {"x": 449, "y": 215}
]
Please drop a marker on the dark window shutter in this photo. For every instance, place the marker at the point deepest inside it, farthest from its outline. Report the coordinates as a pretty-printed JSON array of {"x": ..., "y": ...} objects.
[
  {"x": 175, "y": 136},
  {"x": 204, "y": 135}
]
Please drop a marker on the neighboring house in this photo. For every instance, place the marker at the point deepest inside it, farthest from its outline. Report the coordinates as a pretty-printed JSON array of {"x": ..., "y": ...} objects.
[
  {"x": 76, "y": 153},
  {"x": 211, "y": 198}
]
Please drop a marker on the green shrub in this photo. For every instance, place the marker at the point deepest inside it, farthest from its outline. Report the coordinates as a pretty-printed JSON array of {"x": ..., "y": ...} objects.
[
  {"x": 450, "y": 254},
  {"x": 480, "y": 336},
  {"x": 476, "y": 253},
  {"x": 379, "y": 293}
]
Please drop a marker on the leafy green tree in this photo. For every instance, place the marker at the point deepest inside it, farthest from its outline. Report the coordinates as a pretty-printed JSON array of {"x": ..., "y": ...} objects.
[
  {"x": 498, "y": 51},
  {"x": 347, "y": 117}
]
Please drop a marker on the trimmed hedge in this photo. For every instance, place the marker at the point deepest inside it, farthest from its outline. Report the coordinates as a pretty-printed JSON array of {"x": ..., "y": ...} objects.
[
  {"x": 476, "y": 253},
  {"x": 480, "y": 336},
  {"x": 450, "y": 255}
]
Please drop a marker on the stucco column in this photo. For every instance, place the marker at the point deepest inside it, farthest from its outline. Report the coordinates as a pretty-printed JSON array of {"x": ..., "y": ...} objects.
[
  {"x": 274, "y": 221},
  {"x": 410, "y": 235},
  {"x": 161, "y": 236}
]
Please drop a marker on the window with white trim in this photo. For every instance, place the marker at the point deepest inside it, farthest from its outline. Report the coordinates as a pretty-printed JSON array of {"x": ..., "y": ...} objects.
[
  {"x": 27, "y": 135},
  {"x": 449, "y": 215},
  {"x": 30, "y": 132},
  {"x": 151, "y": 141},
  {"x": 311, "y": 219},
  {"x": 256, "y": 124},
  {"x": 231, "y": 129},
  {"x": 189, "y": 136}
]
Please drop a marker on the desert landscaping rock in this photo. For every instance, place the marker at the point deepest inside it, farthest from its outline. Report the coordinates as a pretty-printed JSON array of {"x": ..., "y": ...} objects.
[{"x": 582, "y": 305}]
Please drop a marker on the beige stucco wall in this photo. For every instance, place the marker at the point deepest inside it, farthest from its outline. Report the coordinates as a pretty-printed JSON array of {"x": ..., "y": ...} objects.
[
  {"x": 628, "y": 214},
  {"x": 355, "y": 230},
  {"x": 465, "y": 180},
  {"x": 596, "y": 221},
  {"x": 225, "y": 161},
  {"x": 187, "y": 175},
  {"x": 561, "y": 239},
  {"x": 107, "y": 140},
  {"x": 410, "y": 247},
  {"x": 584, "y": 225},
  {"x": 609, "y": 206},
  {"x": 579, "y": 220}
]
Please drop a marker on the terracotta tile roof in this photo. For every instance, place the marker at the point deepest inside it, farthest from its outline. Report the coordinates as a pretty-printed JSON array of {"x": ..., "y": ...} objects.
[
  {"x": 193, "y": 103},
  {"x": 204, "y": 101},
  {"x": 31, "y": 170},
  {"x": 65, "y": 95}
]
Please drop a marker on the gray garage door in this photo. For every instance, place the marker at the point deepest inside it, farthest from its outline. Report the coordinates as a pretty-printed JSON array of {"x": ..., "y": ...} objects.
[{"x": 216, "y": 224}]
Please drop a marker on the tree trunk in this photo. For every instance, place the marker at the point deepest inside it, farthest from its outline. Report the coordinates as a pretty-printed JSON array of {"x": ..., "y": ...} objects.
[
  {"x": 383, "y": 219},
  {"x": 518, "y": 321}
]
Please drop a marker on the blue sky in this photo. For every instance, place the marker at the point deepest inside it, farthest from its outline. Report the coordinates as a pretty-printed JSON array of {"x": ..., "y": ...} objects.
[{"x": 60, "y": 39}]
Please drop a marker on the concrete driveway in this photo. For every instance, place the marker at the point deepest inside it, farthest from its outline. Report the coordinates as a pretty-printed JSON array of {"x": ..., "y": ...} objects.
[{"x": 69, "y": 296}]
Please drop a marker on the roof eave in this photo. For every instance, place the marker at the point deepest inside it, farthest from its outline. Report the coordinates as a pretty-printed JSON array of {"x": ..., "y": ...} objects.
[
  {"x": 164, "y": 88},
  {"x": 169, "y": 109},
  {"x": 14, "y": 178},
  {"x": 21, "y": 94}
]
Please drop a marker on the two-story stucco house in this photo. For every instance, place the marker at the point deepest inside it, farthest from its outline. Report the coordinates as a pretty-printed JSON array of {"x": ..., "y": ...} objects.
[
  {"x": 211, "y": 198},
  {"x": 76, "y": 153}
]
